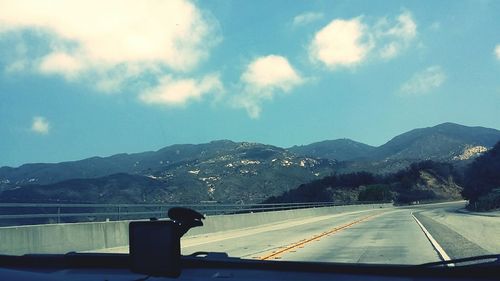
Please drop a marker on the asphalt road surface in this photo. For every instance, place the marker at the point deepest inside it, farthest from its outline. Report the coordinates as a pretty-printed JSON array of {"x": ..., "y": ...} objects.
[
  {"x": 461, "y": 233},
  {"x": 381, "y": 236},
  {"x": 391, "y": 235}
]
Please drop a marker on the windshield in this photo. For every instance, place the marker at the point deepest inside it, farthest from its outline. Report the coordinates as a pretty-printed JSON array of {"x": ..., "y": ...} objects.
[{"x": 332, "y": 131}]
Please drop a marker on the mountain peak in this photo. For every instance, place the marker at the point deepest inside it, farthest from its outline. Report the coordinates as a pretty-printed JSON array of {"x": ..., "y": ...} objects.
[
  {"x": 449, "y": 124},
  {"x": 441, "y": 142},
  {"x": 338, "y": 149}
]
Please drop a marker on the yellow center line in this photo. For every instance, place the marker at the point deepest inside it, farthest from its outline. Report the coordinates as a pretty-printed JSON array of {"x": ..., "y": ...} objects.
[{"x": 300, "y": 244}]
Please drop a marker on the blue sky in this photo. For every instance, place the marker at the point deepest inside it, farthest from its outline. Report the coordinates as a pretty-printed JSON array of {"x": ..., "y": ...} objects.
[{"x": 86, "y": 78}]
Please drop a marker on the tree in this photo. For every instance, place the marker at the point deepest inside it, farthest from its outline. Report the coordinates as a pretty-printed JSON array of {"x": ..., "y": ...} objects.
[{"x": 376, "y": 192}]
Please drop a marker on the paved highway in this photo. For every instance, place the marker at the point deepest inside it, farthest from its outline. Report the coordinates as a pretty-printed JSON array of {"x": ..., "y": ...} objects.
[
  {"x": 461, "y": 233},
  {"x": 381, "y": 236},
  {"x": 391, "y": 235}
]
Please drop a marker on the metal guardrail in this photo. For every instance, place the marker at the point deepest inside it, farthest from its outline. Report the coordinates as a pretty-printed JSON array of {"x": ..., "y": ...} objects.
[{"x": 12, "y": 214}]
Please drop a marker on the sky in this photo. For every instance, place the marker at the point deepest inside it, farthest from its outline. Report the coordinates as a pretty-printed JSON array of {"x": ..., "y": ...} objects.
[{"x": 95, "y": 78}]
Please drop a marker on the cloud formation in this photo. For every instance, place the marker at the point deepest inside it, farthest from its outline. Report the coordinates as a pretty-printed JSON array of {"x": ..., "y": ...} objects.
[
  {"x": 17, "y": 61},
  {"x": 394, "y": 37},
  {"x": 347, "y": 43},
  {"x": 340, "y": 43},
  {"x": 172, "y": 92},
  {"x": 61, "y": 63},
  {"x": 263, "y": 78},
  {"x": 114, "y": 39},
  {"x": 497, "y": 51},
  {"x": 306, "y": 18},
  {"x": 40, "y": 125},
  {"x": 424, "y": 81}
]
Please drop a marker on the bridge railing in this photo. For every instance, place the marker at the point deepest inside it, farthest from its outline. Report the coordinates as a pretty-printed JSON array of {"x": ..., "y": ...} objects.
[{"x": 12, "y": 214}]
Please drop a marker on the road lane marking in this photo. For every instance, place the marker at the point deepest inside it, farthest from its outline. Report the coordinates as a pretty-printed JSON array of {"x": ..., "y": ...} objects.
[
  {"x": 195, "y": 241},
  {"x": 442, "y": 254},
  {"x": 297, "y": 245}
]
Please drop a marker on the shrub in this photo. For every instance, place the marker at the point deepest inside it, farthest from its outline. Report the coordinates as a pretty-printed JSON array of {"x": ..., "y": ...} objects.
[{"x": 376, "y": 192}]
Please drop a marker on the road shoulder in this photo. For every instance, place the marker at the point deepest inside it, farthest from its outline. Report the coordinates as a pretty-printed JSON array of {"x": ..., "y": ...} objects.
[{"x": 454, "y": 244}]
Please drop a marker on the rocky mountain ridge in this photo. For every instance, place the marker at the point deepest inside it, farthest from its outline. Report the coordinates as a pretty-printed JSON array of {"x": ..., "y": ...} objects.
[
  {"x": 231, "y": 172},
  {"x": 227, "y": 171}
]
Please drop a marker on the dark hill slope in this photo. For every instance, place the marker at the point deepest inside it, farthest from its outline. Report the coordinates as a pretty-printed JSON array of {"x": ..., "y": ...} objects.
[
  {"x": 482, "y": 181},
  {"x": 340, "y": 149},
  {"x": 236, "y": 172},
  {"x": 442, "y": 142},
  {"x": 447, "y": 142},
  {"x": 136, "y": 163},
  {"x": 423, "y": 181}
]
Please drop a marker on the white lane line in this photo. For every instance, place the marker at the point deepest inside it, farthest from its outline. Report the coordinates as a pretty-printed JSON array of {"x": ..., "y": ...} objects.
[{"x": 444, "y": 256}]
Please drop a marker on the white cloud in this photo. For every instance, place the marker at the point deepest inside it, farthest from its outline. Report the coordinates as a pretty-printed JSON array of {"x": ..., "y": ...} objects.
[
  {"x": 40, "y": 125},
  {"x": 263, "y": 79},
  {"x": 405, "y": 27},
  {"x": 389, "y": 51},
  {"x": 271, "y": 72},
  {"x": 347, "y": 43},
  {"x": 340, "y": 43},
  {"x": 61, "y": 63},
  {"x": 424, "y": 81},
  {"x": 395, "y": 37},
  {"x": 18, "y": 61},
  {"x": 174, "y": 92},
  {"x": 96, "y": 37},
  {"x": 306, "y": 18},
  {"x": 497, "y": 51}
]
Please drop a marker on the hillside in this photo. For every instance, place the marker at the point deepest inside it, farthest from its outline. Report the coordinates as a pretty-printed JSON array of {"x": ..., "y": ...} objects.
[
  {"x": 137, "y": 163},
  {"x": 230, "y": 172},
  {"x": 341, "y": 150},
  {"x": 446, "y": 142},
  {"x": 423, "y": 182},
  {"x": 482, "y": 181}
]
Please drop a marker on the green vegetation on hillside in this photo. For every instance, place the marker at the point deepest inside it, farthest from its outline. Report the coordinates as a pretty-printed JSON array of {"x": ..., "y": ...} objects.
[
  {"x": 482, "y": 181},
  {"x": 422, "y": 181}
]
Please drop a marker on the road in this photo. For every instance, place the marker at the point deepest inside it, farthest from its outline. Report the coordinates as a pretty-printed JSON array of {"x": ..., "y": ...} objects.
[
  {"x": 461, "y": 233},
  {"x": 391, "y": 235},
  {"x": 388, "y": 236}
]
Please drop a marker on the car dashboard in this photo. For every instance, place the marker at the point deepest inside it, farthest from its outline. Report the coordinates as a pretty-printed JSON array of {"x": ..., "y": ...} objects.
[{"x": 109, "y": 267}]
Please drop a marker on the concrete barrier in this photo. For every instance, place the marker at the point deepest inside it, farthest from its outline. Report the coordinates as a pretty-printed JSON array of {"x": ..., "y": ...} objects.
[{"x": 62, "y": 238}]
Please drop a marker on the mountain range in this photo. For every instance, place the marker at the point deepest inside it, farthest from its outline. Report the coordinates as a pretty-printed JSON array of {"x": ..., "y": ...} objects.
[
  {"x": 444, "y": 142},
  {"x": 221, "y": 170},
  {"x": 232, "y": 172},
  {"x": 447, "y": 142}
]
